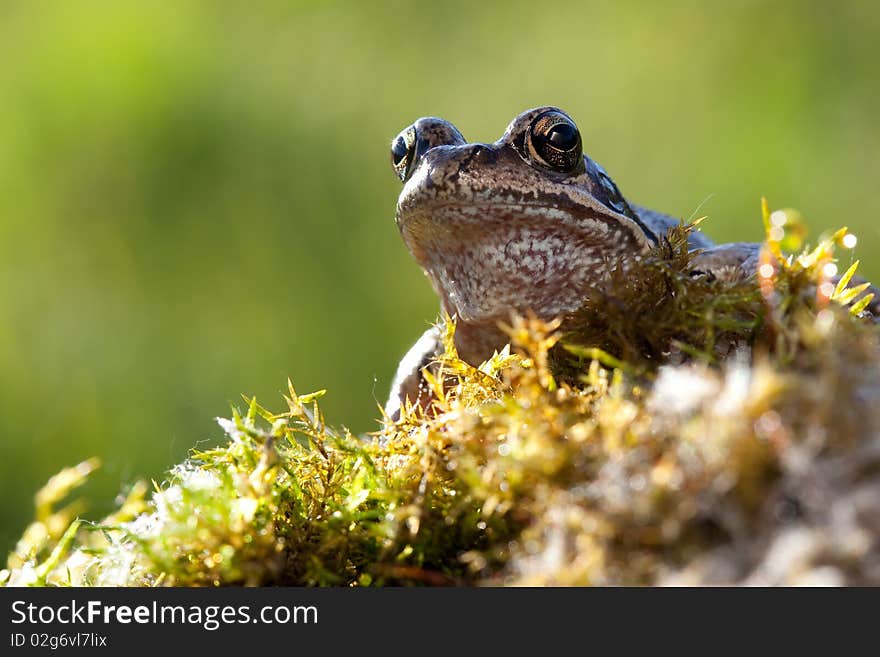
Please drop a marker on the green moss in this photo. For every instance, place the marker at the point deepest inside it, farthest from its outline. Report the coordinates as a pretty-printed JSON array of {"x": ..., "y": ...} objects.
[{"x": 673, "y": 430}]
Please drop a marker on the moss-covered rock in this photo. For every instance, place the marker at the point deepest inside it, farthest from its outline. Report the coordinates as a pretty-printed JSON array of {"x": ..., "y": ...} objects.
[{"x": 674, "y": 430}]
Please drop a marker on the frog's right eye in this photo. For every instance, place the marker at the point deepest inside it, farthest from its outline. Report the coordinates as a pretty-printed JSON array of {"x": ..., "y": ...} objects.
[
  {"x": 411, "y": 145},
  {"x": 403, "y": 150}
]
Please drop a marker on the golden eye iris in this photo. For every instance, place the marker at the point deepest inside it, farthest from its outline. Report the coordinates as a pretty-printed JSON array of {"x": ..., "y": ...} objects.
[{"x": 554, "y": 141}]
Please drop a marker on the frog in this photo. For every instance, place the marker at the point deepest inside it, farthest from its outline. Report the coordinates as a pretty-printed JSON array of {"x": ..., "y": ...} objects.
[{"x": 528, "y": 224}]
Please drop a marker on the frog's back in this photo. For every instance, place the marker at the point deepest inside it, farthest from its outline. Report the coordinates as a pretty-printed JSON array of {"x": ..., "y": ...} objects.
[{"x": 659, "y": 223}]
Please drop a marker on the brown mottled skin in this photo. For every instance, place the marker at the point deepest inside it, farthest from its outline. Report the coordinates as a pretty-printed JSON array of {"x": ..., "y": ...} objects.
[{"x": 528, "y": 223}]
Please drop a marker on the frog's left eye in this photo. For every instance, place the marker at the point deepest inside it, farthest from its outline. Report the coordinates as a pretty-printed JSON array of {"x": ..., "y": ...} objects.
[
  {"x": 553, "y": 140},
  {"x": 403, "y": 150}
]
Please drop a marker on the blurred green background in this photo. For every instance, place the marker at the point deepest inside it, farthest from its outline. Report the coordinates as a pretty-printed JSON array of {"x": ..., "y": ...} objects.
[{"x": 196, "y": 199}]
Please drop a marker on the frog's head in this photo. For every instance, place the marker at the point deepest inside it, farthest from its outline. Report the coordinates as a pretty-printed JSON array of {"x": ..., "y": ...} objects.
[{"x": 526, "y": 223}]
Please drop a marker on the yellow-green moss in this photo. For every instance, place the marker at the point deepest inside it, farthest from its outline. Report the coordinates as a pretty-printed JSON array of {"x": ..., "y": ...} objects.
[{"x": 673, "y": 430}]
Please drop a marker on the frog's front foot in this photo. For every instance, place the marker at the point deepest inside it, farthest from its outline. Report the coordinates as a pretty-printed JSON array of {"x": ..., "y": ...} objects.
[{"x": 409, "y": 384}]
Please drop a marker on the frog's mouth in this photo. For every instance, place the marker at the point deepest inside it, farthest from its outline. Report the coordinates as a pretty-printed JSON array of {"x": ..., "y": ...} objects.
[{"x": 487, "y": 261}]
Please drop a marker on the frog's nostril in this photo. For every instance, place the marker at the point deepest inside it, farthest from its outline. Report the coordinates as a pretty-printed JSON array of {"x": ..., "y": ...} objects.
[{"x": 482, "y": 153}]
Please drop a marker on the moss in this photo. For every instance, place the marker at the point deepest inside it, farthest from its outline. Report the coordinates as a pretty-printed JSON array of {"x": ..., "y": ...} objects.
[{"x": 673, "y": 430}]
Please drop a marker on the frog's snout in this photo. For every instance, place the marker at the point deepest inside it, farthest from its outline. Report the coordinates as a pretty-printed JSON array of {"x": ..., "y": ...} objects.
[{"x": 445, "y": 163}]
